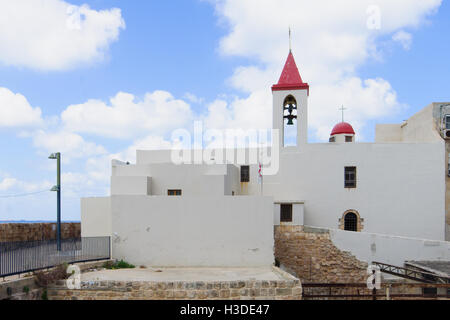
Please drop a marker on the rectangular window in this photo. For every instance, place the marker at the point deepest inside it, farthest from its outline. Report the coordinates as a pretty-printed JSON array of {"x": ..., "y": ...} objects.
[
  {"x": 174, "y": 192},
  {"x": 447, "y": 122},
  {"x": 350, "y": 177},
  {"x": 429, "y": 292},
  {"x": 286, "y": 213},
  {"x": 245, "y": 173},
  {"x": 348, "y": 138},
  {"x": 332, "y": 139}
]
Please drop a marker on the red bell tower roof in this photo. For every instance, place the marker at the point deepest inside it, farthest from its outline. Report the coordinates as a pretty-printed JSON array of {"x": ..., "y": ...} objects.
[{"x": 290, "y": 77}]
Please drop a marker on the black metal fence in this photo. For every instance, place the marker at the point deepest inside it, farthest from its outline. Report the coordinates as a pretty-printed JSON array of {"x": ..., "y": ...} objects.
[{"x": 27, "y": 256}]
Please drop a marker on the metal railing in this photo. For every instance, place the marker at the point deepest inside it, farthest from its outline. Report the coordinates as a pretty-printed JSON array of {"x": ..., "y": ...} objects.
[
  {"x": 27, "y": 256},
  {"x": 359, "y": 291},
  {"x": 411, "y": 274}
]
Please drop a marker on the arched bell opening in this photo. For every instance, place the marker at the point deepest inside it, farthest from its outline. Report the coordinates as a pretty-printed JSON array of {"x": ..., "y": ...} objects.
[{"x": 290, "y": 121}]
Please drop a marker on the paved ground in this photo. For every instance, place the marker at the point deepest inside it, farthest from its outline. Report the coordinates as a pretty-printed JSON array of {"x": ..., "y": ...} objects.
[{"x": 184, "y": 274}]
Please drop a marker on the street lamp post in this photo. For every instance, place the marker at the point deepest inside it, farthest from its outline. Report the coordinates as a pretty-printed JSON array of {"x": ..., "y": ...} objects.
[{"x": 57, "y": 188}]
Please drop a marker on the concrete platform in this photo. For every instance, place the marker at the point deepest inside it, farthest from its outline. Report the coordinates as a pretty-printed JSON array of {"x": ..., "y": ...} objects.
[
  {"x": 188, "y": 274},
  {"x": 265, "y": 283}
]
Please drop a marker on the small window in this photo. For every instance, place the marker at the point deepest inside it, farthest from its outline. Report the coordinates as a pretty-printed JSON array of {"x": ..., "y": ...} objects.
[
  {"x": 429, "y": 292},
  {"x": 286, "y": 213},
  {"x": 348, "y": 138},
  {"x": 232, "y": 193},
  {"x": 350, "y": 177},
  {"x": 351, "y": 222},
  {"x": 332, "y": 139},
  {"x": 174, "y": 192},
  {"x": 447, "y": 122},
  {"x": 245, "y": 173}
]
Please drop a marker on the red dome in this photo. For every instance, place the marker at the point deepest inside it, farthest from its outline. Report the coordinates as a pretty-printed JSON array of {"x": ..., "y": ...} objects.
[{"x": 342, "y": 127}]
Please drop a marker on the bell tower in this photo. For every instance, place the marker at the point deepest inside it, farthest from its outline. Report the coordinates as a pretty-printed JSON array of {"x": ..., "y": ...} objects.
[{"x": 290, "y": 106}]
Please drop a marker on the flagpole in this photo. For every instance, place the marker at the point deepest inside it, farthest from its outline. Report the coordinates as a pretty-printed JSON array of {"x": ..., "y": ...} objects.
[{"x": 262, "y": 183}]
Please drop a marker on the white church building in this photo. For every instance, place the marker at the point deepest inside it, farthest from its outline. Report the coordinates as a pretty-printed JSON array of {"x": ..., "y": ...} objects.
[{"x": 160, "y": 213}]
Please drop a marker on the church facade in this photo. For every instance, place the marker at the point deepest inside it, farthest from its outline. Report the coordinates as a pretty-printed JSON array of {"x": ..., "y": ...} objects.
[{"x": 166, "y": 214}]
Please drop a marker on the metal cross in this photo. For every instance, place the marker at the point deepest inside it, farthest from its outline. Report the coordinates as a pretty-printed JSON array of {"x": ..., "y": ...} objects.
[
  {"x": 342, "y": 109},
  {"x": 290, "y": 45}
]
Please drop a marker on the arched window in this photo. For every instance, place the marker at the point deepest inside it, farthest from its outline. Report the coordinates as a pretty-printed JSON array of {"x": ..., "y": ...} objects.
[
  {"x": 351, "y": 222},
  {"x": 290, "y": 121}
]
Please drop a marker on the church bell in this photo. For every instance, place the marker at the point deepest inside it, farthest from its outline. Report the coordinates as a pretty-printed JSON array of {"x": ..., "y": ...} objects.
[{"x": 290, "y": 116}]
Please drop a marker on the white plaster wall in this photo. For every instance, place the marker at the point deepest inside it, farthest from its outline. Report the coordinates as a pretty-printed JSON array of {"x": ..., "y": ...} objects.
[
  {"x": 96, "y": 217},
  {"x": 297, "y": 214},
  {"x": 131, "y": 170},
  {"x": 232, "y": 180},
  {"x": 400, "y": 187},
  {"x": 193, "y": 231},
  {"x": 235, "y": 156},
  {"x": 388, "y": 133},
  {"x": 389, "y": 249},
  {"x": 420, "y": 127},
  {"x": 131, "y": 185},
  {"x": 191, "y": 179}
]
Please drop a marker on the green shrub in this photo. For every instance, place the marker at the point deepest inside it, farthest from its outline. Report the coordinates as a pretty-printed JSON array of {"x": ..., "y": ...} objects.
[
  {"x": 118, "y": 265},
  {"x": 26, "y": 289},
  {"x": 44, "y": 295}
]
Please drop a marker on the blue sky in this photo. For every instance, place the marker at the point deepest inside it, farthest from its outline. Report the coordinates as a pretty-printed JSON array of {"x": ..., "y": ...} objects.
[{"x": 212, "y": 58}]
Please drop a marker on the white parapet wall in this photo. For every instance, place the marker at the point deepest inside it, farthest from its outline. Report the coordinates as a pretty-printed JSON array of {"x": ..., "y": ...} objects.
[
  {"x": 388, "y": 249},
  {"x": 298, "y": 213},
  {"x": 96, "y": 217},
  {"x": 131, "y": 185},
  {"x": 215, "y": 231}
]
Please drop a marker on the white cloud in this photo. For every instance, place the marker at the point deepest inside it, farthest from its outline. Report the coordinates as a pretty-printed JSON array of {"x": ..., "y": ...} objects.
[
  {"x": 99, "y": 167},
  {"x": 70, "y": 145},
  {"x": 253, "y": 112},
  {"x": 363, "y": 99},
  {"x": 404, "y": 38},
  {"x": 9, "y": 183},
  {"x": 193, "y": 98},
  {"x": 15, "y": 111},
  {"x": 330, "y": 41},
  {"x": 125, "y": 118},
  {"x": 55, "y": 35}
]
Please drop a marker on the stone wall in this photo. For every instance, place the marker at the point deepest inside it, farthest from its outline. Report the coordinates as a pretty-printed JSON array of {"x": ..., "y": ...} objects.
[
  {"x": 180, "y": 290},
  {"x": 312, "y": 256},
  {"x": 20, "y": 289},
  {"x": 37, "y": 231}
]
